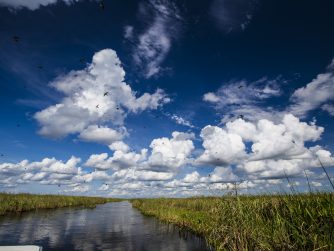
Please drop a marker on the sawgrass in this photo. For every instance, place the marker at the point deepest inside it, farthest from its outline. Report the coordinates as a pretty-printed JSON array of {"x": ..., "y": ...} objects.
[
  {"x": 267, "y": 222},
  {"x": 17, "y": 203}
]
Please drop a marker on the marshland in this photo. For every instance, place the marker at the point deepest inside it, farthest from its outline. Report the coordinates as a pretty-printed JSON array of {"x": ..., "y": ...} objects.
[
  {"x": 167, "y": 125},
  {"x": 18, "y": 203},
  {"x": 261, "y": 222}
]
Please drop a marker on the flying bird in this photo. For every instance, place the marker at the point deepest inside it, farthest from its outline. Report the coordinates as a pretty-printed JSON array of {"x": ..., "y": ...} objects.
[
  {"x": 240, "y": 86},
  {"x": 2, "y": 155},
  {"x": 106, "y": 94},
  {"x": 16, "y": 39},
  {"x": 40, "y": 67},
  {"x": 101, "y": 5},
  {"x": 97, "y": 106},
  {"x": 82, "y": 60},
  {"x": 241, "y": 116}
]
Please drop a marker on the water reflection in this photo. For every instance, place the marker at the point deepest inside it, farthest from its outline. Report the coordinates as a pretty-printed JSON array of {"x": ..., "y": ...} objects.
[{"x": 113, "y": 226}]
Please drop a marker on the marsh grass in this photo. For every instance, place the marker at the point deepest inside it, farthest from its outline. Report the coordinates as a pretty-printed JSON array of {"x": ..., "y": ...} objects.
[
  {"x": 17, "y": 203},
  {"x": 266, "y": 222}
]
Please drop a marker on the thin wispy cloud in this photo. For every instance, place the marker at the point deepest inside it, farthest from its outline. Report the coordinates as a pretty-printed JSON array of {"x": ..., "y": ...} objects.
[
  {"x": 32, "y": 4},
  {"x": 319, "y": 92},
  {"x": 233, "y": 15},
  {"x": 152, "y": 45}
]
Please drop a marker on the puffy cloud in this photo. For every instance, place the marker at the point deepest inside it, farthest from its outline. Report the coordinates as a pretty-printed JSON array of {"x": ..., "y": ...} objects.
[
  {"x": 127, "y": 175},
  {"x": 316, "y": 93},
  {"x": 119, "y": 160},
  {"x": 151, "y": 175},
  {"x": 153, "y": 45},
  {"x": 55, "y": 166},
  {"x": 171, "y": 153},
  {"x": 221, "y": 147},
  {"x": 274, "y": 149},
  {"x": 98, "y": 161},
  {"x": 211, "y": 97},
  {"x": 31, "y": 4},
  {"x": 316, "y": 184},
  {"x": 119, "y": 146},
  {"x": 100, "y": 134},
  {"x": 48, "y": 171},
  {"x": 97, "y": 94},
  {"x": 192, "y": 177},
  {"x": 223, "y": 174},
  {"x": 104, "y": 187}
]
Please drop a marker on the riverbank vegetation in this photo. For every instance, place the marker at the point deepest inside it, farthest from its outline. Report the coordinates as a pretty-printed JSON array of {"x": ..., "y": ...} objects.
[
  {"x": 16, "y": 203},
  {"x": 277, "y": 222}
]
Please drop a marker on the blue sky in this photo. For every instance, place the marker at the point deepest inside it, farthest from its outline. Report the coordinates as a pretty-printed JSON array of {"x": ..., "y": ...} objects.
[{"x": 165, "y": 98}]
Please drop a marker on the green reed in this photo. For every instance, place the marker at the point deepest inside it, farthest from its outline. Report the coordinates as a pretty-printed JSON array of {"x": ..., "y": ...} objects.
[
  {"x": 266, "y": 222},
  {"x": 16, "y": 203}
]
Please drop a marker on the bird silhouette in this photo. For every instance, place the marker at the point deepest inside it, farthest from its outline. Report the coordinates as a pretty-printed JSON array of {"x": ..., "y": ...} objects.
[
  {"x": 40, "y": 67},
  {"x": 18, "y": 125},
  {"x": 82, "y": 60},
  {"x": 16, "y": 39},
  {"x": 2, "y": 155},
  {"x": 240, "y": 86},
  {"x": 117, "y": 108},
  {"x": 97, "y": 106},
  {"x": 241, "y": 116},
  {"x": 106, "y": 94},
  {"x": 101, "y": 4}
]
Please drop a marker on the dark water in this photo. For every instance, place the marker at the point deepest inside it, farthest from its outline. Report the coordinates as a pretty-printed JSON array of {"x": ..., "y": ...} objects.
[{"x": 112, "y": 226}]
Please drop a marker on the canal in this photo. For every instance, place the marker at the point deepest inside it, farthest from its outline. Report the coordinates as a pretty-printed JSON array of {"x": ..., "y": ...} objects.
[{"x": 112, "y": 226}]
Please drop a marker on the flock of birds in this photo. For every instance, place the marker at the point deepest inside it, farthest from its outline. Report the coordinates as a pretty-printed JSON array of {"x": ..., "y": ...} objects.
[{"x": 17, "y": 39}]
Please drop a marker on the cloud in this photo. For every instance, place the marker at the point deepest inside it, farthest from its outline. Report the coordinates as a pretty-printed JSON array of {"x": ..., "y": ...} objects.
[
  {"x": 47, "y": 171},
  {"x": 128, "y": 32},
  {"x": 103, "y": 135},
  {"x": 170, "y": 154},
  {"x": 243, "y": 92},
  {"x": 220, "y": 147},
  {"x": 121, "y": 159},
  {"x": 242, "y": 98},
  {"x": 211, "y": 97},
  {"x": 154, "y": 43},
  {"x": 95, "y": 95},
  {"x": 182, "y": 121},
  {"x": 318, "y": 92},
  {"x": 328, "y": 108},
  {"x": 233, "y": 15},
  {"x": 119, "y": 146},
  {"x": 273, "y": 149},
  {"x": 32, "y": 4}
]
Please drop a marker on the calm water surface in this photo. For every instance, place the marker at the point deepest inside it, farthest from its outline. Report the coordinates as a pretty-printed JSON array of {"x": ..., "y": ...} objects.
[{"x": 112, "y": 226}]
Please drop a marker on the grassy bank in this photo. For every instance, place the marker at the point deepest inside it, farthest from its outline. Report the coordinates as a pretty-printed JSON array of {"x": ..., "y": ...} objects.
[
  {"x": 286, "y": 222},
  {"x": 16, "y": 203}
]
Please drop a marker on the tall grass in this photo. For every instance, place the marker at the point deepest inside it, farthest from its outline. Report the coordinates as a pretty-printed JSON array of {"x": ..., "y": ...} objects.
[
  {"x": 267, "y": 222},
  {"x": 16, "y": 203}
]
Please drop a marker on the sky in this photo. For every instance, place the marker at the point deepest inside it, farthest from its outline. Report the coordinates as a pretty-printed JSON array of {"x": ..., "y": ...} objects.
[{"x": 151, "y": 98}]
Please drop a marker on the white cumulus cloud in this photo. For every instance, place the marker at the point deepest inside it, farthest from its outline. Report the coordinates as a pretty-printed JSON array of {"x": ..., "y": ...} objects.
[{"x": 95, "y": 95}]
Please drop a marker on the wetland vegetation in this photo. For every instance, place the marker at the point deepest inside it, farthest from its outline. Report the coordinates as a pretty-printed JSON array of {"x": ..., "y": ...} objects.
[
  {"x": 17, "y": 203},
  {"x": 266, "y": 222}
]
